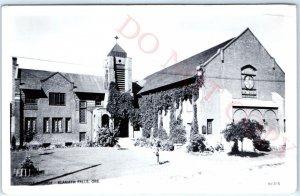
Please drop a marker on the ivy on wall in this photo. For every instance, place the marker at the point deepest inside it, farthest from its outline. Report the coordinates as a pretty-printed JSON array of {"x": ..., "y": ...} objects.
[
  {"x": 170, "y": 99},
  {"x": 120, "y": 106}
]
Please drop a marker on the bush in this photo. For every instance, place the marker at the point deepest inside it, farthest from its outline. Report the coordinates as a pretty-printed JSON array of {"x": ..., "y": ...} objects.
[
  {"x": 27, "y": 164},
  {"x": 166, "y": 145},
  {"x": 219, "y": 147},
  {"x": 107, "y": 137},
  {"x": 197, "y": 144},
  {"x": 34, "y": 145},
  {"x": 245, "y": 128},
  {"x": 145, "y": 142},
  {"x": 146, "y": 133},
  {"x": 59, "y": 145},
  {"x": 162, "y": 134},
  {"x": 262, "y": 145},
  {"x": 178, "y": 135}
]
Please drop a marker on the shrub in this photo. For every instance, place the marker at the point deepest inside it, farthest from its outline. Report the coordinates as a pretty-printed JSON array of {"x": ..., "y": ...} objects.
[
  {"x": 107, "y": 137},
  {"x": 166, "y": 145},
  {"x": 27, "y": 164},
  {"x": 197, "y": 144},
  {"x": 245, "y": 128},
  {"x": 143, "y": 142},
  {"x": 146, "y": 133},
  {"x": 219, "y": 147},
  {"x": 262, "y": 145},
  {"x": 76, "y": 144},
  {"x": 59, "y": 145},
  {"x": 162, "y": 134},
  {"x": 178, "y": 135}
]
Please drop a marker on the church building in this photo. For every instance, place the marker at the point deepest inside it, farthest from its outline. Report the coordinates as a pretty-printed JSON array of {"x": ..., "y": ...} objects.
[{"x": 242, "y": 80}]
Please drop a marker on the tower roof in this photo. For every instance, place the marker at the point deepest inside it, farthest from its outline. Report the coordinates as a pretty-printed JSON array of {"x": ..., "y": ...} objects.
[{"x": 117, "y": 51}]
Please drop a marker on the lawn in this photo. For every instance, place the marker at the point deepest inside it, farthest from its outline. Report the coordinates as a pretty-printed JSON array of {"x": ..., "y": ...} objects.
[{"x": 135, "y": 166}]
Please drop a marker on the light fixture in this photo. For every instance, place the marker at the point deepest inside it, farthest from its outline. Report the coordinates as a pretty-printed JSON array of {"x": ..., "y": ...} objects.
[{"x": 200, "y": 70}]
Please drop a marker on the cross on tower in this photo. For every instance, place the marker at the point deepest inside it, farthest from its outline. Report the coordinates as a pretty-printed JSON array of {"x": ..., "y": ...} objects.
[{"x": 116, "y": 37}]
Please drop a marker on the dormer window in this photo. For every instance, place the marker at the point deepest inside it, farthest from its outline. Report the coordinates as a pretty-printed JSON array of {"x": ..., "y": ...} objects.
[{"x": 57, "y": 99}]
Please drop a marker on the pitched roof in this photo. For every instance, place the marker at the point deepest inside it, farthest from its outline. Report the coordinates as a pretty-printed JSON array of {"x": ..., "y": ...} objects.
[
  {"x": 117, "y": 51},
  {"x": 181, "y": 71},
  {"x": 32, "y": 79}
]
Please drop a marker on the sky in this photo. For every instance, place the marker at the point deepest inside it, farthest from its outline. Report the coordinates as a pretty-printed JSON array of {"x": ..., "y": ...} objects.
[{"x": 77, "y": 39}]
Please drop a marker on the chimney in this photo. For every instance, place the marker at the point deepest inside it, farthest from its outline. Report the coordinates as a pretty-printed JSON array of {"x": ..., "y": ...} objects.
[{"x": 15, "y": 67}]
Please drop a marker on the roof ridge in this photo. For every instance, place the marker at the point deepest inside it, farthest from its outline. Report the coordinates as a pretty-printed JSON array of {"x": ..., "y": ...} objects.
[
  {"x": 53, "y": 72},
  {"x": 190, "y": 57}
]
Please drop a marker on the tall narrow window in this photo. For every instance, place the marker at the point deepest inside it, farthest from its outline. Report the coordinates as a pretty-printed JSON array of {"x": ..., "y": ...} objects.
[
  {"x": 209, "y": 126},
  {"x": 30, "y": 124},
  {"x": 68, "y": 125},
  {"x": 82, "y": 112},
  {"x": 98, "y": 101},
  {"x": 56, "y": 125},
  {"x": 56, "y": 98},
  {"x": 203, "y": 129},
  {"x": 46, "y": 125}
]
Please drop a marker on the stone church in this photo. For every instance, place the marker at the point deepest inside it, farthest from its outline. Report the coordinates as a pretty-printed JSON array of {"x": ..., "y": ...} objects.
[{"x": 242, "y": 80}]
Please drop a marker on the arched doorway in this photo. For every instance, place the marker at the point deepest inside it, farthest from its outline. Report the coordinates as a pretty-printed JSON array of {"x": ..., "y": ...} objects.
[
  {"x": 105, "y": 120},
  {"x": 271, "y": 122},
  {"x": 256, "y": 115},
  {"x": 239, "y": 115}
]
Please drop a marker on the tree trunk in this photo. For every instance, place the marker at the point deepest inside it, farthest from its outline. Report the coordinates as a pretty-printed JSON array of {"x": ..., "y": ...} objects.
[
  {"x": 235, "y": 147},
  {"x": 242, "y": 145}
]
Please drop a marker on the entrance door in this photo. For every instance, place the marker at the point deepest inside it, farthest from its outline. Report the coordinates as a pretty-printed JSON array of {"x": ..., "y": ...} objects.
[
  {"x": 82, "y": 136},
  {"x": 124, "y": 128},
  {"x": 209, "y": 126}
]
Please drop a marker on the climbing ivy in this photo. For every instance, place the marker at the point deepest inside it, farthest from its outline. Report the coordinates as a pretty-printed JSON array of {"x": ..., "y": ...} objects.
[
  {"x": 150, "y": 105},
  {"x": 120, "y": 105}
]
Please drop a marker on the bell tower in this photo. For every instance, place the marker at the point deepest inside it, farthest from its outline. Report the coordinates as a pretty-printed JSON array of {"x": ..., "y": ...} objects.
[{"x": 118, "y": 69}]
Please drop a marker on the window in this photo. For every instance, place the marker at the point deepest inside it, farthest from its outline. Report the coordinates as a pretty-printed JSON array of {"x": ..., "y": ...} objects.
[
  {"x": 203, "y": 129},
  {"x": 56, "y": 125},
  {"x": 30, "y": 125},
  {"x": 82, "y": 136},
  {"x": 98, "y": 101},
  {"x": 209, "y": 126},
  {"x": 46, "y": 126},
  {"x": 82, "y": 112},
  {"x": 29, "y": 100},
  {"x": 56, "y": 98},
  {"x": 68, "y": 125},
  {"x": 248, "y": 74}
]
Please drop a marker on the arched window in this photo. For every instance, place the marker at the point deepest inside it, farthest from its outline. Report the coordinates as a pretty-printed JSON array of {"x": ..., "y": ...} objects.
[
  {"x": 248, "y": 74},
  {"x": 105, "y": 121}
]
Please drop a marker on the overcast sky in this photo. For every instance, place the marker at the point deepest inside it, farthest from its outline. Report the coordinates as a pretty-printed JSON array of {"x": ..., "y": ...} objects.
[{"x": 81, "y": 36}]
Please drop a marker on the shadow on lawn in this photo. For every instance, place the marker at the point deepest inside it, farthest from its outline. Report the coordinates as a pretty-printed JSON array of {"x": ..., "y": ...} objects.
[
  {"x": 163, "y": 162},
  {"x": 46, "y": 153},
  {"x": 246, "y": 154},
  {"x": 66, "y": 174}
]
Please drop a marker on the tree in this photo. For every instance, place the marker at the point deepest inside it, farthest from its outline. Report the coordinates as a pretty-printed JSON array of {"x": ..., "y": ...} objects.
[
  {"x": 245, "y": 128},
  {"x": 120, "y": 105}
]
